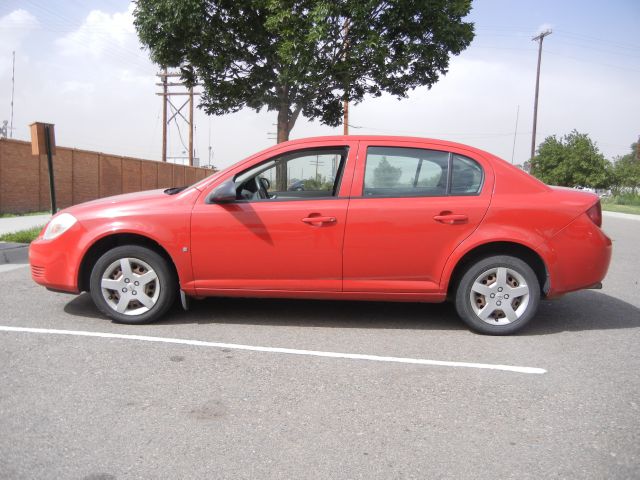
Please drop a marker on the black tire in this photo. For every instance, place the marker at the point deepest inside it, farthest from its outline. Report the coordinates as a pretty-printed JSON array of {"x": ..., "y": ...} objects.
[
  {"x": 521, "y": 308},
  {"x": 165, "y": 282}
]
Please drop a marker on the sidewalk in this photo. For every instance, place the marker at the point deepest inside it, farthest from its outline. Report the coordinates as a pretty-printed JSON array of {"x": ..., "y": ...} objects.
[
  {"x": 627, "y": 216},
  {"x": 15, "y": 255},
  {"x": 14, "y": 224}
]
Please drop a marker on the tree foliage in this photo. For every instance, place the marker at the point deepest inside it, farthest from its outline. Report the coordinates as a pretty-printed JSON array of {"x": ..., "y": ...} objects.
[
  {"x": 626, "y": 170},
  {"x": 385, "y": 175},
  {"x": 303, "y": 56},
  {"x": 570, "y": 161}
]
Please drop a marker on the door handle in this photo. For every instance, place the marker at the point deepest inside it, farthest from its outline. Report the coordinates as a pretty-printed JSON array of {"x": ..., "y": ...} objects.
[
  {"x": 451, "y": 218},
  {"x": 315, "y": 221}
]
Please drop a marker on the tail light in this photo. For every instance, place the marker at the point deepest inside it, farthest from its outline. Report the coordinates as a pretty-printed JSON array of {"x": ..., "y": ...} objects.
[{"x": 595, "y": 214}]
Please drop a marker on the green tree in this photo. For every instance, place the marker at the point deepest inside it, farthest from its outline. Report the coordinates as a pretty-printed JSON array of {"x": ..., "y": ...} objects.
[
  {"x": 319, "y": 183},
  {"x": 626, "y": 170},
  {"x": 303, "y": 56},
  {"x": 385, "y": 175},
  {"x": 573, "y": 160}
]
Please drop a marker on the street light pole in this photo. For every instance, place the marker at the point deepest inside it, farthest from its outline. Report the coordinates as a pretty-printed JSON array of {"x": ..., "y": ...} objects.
[{"x": 538, "y": 39}]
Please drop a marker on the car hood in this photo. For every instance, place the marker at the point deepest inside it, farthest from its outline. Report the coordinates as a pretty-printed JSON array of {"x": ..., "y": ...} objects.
[{"x": 120, "y": 204}]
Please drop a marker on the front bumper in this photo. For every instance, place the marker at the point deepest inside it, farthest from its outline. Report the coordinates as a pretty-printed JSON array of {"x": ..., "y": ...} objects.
[{"x": 55, "y": 263}]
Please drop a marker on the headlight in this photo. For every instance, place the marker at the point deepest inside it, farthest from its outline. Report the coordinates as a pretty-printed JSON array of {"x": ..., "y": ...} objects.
[{"x": 58, "y": 225}]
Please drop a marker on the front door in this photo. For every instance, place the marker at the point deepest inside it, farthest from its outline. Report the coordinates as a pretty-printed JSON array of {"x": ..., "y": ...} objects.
[{"x": 284, "y": 232}]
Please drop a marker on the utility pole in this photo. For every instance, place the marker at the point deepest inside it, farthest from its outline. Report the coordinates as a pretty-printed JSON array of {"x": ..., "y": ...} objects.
[
  {"x": 515, "y": 135},
  {"x": 539, "y": 38},
  {"x": 13, "y": 82},
  {"x": 191, "y": 126},
  {"x": 317, "y": 163},
  {"x": 167, "y": 104},
  {"x": 164, "y": 116},
  {"x": 210, "y": 162}
]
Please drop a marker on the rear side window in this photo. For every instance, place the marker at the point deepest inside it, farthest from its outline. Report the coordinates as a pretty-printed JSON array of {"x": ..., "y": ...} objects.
[
  {"x": 417, "y": 172},
  {"x": 401, "y": 172},
  {"x": 466, "y": 176}
]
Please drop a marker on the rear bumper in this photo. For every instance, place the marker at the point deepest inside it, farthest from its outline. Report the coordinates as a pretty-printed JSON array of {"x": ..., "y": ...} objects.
[
  {"x": 55, "y": 263},
  {"x": 581, "y": 257}
]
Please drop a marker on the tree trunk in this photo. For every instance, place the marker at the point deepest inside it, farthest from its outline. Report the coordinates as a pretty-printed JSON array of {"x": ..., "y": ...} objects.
[
  {"x": 283, "y": 121},
  {"x": 286, "y": 121},
  {"x": 283, "y": 136}
]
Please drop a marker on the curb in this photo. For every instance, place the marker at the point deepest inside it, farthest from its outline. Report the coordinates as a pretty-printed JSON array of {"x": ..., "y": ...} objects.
[{"x": 11, "y": 253}]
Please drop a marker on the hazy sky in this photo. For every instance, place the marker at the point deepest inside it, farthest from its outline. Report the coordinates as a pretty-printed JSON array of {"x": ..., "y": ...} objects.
[{"x": 79, "y": 65}]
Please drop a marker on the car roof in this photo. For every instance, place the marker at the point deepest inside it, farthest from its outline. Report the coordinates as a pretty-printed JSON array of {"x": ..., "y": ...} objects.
[{"x": 392, "y": 139}]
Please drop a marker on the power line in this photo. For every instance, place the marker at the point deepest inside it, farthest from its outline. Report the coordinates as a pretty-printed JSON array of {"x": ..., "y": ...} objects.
[
  {"x": 499, "y": 30},
  {"x": 584, "y": 60},
  {"x": 582, "y": 36}
]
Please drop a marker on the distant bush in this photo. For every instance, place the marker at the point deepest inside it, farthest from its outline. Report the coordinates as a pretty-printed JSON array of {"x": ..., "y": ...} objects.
[{"x": 625, "y": 199}]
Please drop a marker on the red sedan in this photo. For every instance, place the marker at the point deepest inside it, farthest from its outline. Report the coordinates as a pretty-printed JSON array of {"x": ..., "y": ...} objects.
[{"x": 343, "y": 218}]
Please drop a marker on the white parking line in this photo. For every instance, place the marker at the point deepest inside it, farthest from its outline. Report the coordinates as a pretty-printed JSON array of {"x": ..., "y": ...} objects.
[{"x": 290, "y": 351}]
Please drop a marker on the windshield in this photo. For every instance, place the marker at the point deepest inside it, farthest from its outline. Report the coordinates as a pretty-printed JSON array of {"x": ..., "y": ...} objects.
[{"x": 199, "y": 183}]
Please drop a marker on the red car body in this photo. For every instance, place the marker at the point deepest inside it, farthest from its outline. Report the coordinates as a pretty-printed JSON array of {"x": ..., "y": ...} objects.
[{"x": 374, "y": 248}]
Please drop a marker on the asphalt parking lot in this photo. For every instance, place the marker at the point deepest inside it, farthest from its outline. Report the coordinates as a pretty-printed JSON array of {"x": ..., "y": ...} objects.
[{"x": 87, "y": 407}]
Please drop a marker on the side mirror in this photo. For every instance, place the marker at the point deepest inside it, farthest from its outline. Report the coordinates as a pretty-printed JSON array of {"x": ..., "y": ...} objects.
[{"x": 225, "y": 193}]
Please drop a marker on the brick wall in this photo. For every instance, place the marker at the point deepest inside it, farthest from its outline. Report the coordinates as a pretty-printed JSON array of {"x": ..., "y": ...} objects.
[{"x": 80, "y": 176}]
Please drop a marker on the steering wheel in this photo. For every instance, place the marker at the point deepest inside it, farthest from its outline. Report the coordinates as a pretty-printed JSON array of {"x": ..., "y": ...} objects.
[{"x": 261, "y": 188}]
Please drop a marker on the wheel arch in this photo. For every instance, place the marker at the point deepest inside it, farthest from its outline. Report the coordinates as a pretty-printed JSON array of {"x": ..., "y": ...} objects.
[
  {"x": 514, "y": 249},
  {"x": 106, "y": 243}
]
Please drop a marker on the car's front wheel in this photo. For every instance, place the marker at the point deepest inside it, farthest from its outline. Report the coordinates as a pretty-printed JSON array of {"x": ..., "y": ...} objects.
[
  {"x": 133, "y": 284},
  {"x": 498, "y": 295}
]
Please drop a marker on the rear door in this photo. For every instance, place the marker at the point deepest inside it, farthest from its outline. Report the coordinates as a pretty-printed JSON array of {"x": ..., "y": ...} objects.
[{"x": 411, "y": 206}]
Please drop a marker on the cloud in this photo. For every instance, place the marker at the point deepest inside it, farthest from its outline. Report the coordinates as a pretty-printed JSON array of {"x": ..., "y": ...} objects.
[
  {"x": 106, "y": 38},
  {"x": 99, "y": 33},
  {"x": 15, "y": 27}
]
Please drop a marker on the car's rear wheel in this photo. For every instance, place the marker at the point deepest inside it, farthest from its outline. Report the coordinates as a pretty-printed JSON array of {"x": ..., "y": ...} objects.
[
  {"x": 132, "y": 284},
  {"x": 498, "y": 295}
]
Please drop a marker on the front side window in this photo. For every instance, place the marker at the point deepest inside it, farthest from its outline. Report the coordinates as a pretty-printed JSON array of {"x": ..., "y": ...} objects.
[
  {"x": 400, "y": 172},
  {"x": 297, "y": 175}
]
